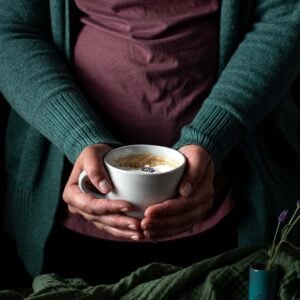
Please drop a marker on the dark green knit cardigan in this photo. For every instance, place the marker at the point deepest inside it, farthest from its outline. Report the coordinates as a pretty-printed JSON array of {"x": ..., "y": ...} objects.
[{"x": 249, "y": 109}]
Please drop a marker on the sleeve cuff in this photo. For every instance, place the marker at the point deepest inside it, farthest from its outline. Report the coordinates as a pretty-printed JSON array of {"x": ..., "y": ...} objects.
[
  {"x": 214, "y": 129},
  {"x": 71, "y": 125}
]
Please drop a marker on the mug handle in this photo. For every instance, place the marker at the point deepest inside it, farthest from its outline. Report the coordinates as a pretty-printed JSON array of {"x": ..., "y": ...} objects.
[{"x": 83, "y": 178}]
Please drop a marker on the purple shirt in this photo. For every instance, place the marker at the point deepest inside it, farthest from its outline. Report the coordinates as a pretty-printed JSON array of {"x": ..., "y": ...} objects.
[{"x": 146, "y": 67}]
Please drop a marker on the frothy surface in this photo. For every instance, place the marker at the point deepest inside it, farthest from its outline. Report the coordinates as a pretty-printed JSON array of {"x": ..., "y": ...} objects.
[
  {"x": 150, "y": 170},
  {"x": 145, "y": 163}
]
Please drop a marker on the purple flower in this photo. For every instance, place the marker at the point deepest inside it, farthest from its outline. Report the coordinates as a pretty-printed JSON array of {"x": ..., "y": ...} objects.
[{"x": 283, "y": 215}]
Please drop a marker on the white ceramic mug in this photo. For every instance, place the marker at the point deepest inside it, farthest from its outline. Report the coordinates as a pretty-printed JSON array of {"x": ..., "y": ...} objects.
[{"x": 142, "y": 187}]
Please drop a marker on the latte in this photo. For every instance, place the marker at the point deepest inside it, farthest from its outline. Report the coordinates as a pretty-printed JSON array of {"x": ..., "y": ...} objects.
[{"x": 145, "y": 163}]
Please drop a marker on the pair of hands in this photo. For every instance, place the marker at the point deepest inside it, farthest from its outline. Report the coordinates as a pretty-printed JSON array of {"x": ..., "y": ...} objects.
[{"x": 162, "y": 220}]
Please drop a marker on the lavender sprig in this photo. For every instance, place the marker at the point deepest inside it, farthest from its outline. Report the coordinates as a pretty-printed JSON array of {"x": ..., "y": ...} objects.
[
  {"x": 284, "y": 233},
  {"x": 281, "y": 218}
]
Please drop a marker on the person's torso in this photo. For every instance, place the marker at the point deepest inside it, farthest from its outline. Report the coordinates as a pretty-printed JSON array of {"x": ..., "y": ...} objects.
[{"x": 146, "y": 66}]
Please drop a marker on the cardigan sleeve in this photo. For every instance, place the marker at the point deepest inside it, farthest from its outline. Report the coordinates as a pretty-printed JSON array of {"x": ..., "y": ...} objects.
[
  {"x": 252, "y": 83},
  {"x": 37, "y": 82}
]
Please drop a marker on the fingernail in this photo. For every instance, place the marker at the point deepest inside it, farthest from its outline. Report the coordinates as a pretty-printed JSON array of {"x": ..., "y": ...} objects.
[
  {"x": 135, "y": 238},
  {"x": 186, "y": 190},
  {"x": 132, "y": 227},
  {"x": 104, "y": 186},
  {"x": 124, "y": 209}
]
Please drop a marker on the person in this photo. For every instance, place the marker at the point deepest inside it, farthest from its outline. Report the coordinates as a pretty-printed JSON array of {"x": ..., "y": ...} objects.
[{"x": 209, "y": 78}]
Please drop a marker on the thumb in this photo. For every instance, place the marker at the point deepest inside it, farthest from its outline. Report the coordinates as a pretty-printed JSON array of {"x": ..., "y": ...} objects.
[
  {"x": 92, "y": 162},
  {"x": 198, "y": 161}
]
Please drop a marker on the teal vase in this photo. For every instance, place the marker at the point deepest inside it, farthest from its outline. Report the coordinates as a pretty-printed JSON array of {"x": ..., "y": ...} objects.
[{"x": 262, "y": 282}]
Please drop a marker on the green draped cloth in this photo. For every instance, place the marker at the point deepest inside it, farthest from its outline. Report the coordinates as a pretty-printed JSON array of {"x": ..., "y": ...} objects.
[{"x": 221, "y": 277}]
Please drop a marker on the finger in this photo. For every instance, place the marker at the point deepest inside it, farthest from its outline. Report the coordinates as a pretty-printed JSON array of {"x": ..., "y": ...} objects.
[
  {"x": 115, "y": 221},
  {"x": 158, "y": 235},
  {"x": 202, "y": 196},
  {"x": 176, "y": 223},
  {"x": 167, "y": 227},
  {"x": 121, "y": 222},
  {"x": 115, "y": 231},
  {"x": 96, "y": 172},
  {"x": 119, "y": 233},
  {"x": 86, "y": 203}
]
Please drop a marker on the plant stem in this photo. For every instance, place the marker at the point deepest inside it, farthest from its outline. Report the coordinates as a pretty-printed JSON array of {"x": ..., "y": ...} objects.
[
  {"x": 294, "y": 214},
  {"x": 274, "y": 241},
  {"x": 287, "y": 228},
  {"x": 270, "y": 262},
  {"x": 291, "y": 227},
  {"x": 285, "y": 232}
]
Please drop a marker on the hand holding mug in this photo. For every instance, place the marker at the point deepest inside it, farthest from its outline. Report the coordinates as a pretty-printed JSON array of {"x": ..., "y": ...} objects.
[
  {"x": 196, "y": 189},
  {"x": 107, "y": 215}
]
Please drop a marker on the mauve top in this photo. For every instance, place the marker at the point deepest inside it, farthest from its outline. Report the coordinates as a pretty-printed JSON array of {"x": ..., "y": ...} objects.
[{"x": 146, "y": 67}]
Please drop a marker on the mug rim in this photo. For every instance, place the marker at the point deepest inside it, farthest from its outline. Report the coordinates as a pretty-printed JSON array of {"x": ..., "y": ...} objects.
[{"x": 181, "y": 163}]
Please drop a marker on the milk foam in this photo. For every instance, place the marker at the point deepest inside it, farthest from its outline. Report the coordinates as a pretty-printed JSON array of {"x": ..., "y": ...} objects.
[
  {"x": 145, "y": 163},
  {"x": 150, "y": 170}
]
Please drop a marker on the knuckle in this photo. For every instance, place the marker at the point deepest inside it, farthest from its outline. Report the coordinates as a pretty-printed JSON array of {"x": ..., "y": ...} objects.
[
  {"x": 110, "y": 207},
  {"x": 101, "y": 206},
  {"x": 118, "y": 222},
  {"x": 113, "y": 221},
  {"x": 91, "y": 208},
  {"x": 71, "y": 209},
  {"x": 94, "y": 174},
  {"x": 96, "y": 207},
  {"x": 84, "y": 202},
  {"x": 65, "y": 196},
  {"x": 89, "y": 218},
  {"x": 106, "y": 228}
]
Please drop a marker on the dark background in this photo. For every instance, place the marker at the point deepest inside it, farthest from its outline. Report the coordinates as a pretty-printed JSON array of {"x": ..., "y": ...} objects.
[{"x": 13, "y": 274}]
